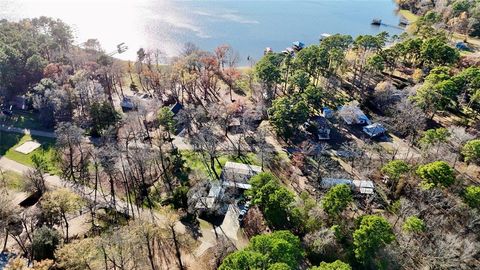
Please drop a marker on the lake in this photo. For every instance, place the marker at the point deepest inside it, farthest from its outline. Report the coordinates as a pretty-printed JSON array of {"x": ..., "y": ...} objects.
[{"x": 247, "y": 25}]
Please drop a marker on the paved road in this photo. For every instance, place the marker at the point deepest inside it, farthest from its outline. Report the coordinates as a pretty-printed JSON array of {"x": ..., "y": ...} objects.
[{"x": 28, "y": 131}]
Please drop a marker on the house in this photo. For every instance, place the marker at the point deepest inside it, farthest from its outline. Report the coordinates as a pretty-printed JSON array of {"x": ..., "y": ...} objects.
[
  {"x": 239, "y": 172},
  {"x": 267, "y": 50},
  {"x": 374, "y": 130},
  {"x": 322, "y": 127},
  {"x": 358, "y": 186},
  {"x": 211, "y": 200},
  {"x": 289, "y": 51},
  {"x": 352, "y": 115},
  {"x": 297, "y": 45}
]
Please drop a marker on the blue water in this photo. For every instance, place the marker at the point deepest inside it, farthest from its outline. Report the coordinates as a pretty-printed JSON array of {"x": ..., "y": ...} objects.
[{"x": 247, "y": 25}]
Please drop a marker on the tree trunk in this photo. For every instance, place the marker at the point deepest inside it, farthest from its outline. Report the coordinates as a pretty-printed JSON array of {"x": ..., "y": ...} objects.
[{"x": 177, "y": 248}]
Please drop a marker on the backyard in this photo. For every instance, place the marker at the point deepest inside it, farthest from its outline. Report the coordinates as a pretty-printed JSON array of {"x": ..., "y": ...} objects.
[{"x": 10, "y": 141}]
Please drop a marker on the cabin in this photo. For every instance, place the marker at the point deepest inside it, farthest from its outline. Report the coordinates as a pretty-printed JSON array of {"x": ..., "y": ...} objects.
[
  {"x": 374, "y": 130},
  {"x": 322, "y": 127},
  {"x": 352, "y": 115},
  {"x": 365, "y": 187}
]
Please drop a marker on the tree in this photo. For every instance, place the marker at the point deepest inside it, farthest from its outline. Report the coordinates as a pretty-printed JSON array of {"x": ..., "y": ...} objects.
[
  {"x": 243, "y": 260},
  {"x": 434, "y": 136},
  {"x": 44, "y": 243},
  {"x": 268, "y": 251},
  {"x": 286, "y": 114},
  {"x": 437, "y": 173},
  {"x": 79, "y": 255},
  {"x": 395, "y": 169},
  {"x": 413, "y": 225},
  {"x": 103, "y": 116},
  {"x": 166, "y": 120},
  {"x": 435, "y": 51},
  {"x": 273, "y": 199},
  {"x": 471, "y": 151},
  {"x": 8, "y": 215},
  {"x": 336, "y": 265},
  {"x": 58, "y": 204},
  {"x": 472, "y": 196},
  {"x": 337, "y": 199},
  {"x": 373, "y": 233},
  {"x": 268, "y": 71}
]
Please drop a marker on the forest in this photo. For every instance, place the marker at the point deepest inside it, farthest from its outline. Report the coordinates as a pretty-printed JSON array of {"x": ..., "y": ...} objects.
[{"x": 352, "y": 153}]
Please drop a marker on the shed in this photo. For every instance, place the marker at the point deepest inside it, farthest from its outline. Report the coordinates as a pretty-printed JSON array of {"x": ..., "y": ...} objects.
[{"x": 374, "y": 130}]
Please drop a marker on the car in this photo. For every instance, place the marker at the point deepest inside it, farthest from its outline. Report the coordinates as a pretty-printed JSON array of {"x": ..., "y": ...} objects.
[
  {"x": 242, "y": 214},
  {"x": 247, "y": 205}
]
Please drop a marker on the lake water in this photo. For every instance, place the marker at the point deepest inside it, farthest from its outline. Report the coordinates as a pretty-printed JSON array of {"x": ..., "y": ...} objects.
[{"x": 247, "y": 25}]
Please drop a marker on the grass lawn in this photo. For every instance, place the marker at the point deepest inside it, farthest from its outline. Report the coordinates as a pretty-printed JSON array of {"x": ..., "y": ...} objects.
[
  {"x": 195, "y": 161},
  {"x": 12, "y": 181},
  {"x": 408, "y": 15},
  {"x": 25, "y": 119},
  {"x": 10, "y": 141}
]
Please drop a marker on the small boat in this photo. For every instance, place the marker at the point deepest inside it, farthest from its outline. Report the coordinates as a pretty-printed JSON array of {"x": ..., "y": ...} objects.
[
  {"x": 376, "y": 22},
  {"x": 324, "y": 35}
]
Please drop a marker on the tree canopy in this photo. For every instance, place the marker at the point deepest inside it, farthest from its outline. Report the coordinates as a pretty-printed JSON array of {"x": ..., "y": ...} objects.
[
  {"x": 437, "y": 173},
  {"x": 373, "y": 233}
]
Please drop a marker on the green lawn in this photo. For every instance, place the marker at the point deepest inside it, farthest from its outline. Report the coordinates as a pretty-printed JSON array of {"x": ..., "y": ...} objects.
[
  {"x": 24, "y": 119},
  {"x": 195, "y": 161},
  {"x": 12, "y": 181},
  {"x": 10, "y": 141},
  {"x": 408, "y": 15}
]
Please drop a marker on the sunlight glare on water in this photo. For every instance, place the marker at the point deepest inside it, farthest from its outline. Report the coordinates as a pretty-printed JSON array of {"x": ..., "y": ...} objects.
[{"x": 248, "y": 25}]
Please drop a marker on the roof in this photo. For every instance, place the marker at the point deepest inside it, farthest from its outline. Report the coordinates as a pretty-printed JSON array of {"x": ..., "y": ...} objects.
[
  {"x": 298, "y": 44},
  {"x": 364, "y": 186},
  {"x": 175, "y": 108},
  {"x": 351, "y": 114},
  {"x": 233, "y": 171},
  {"x": 321, "y": 122},
  {"x": 374, "y": 129},
  {"x": 237, "y": 185},
  {"x": 330, "y": 182}
]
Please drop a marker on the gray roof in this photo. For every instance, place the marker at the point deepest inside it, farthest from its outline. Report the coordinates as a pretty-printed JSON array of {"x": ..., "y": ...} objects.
[
  {"x": 374, "y": 129},
  {"x": 239, "y": 172}
]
